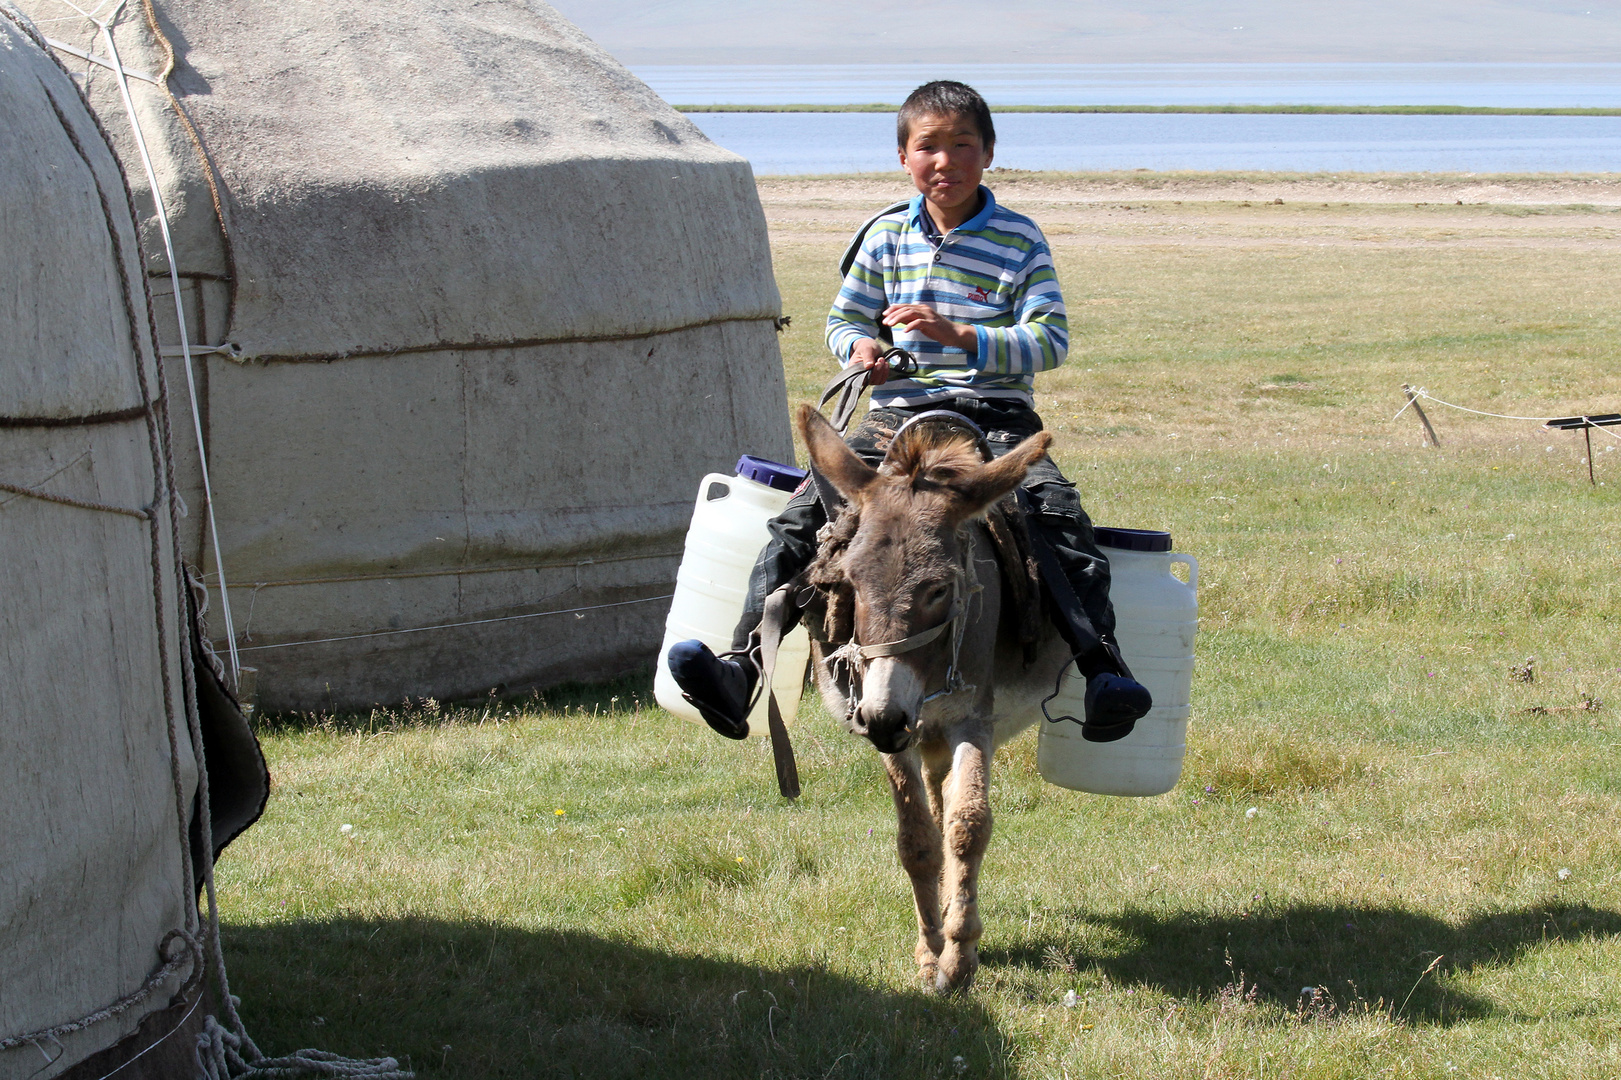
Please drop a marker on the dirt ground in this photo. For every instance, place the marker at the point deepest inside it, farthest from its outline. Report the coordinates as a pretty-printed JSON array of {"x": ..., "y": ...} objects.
[{"x": 1245, "y": 209}]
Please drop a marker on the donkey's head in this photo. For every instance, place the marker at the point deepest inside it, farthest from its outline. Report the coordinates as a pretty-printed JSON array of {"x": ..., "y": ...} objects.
[{"x": 902, "y": 555}]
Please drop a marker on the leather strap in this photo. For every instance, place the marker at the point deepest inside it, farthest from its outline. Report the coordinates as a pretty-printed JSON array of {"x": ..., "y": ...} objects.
[
  {"x": 1073, "y": 624},
  {"x": 779, "y": 610},
  {"x": 917, "y": 640},
  {"x": 854, "y": 245},
  {"x": 850, "y": 383}
]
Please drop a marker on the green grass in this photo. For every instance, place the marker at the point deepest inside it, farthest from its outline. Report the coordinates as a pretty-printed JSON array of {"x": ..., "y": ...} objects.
[
  {"x": 1292, "y": 110},
  {"x": 1432, "y": 855}
]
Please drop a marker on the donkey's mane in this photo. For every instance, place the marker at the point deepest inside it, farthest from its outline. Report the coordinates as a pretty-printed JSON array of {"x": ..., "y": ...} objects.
[
  {"x": 934, "y": 451},
  {"x": 932, "y": 456}
]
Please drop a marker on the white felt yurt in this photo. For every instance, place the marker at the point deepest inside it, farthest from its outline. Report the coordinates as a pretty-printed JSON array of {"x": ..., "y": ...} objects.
[
  {"x": 106, "y": 722},
  {"x": 472, "y": 311}
]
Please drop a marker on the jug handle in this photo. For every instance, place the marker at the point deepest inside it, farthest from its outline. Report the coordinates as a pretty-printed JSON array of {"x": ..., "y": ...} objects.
[{"x": 1193, "y": 568}]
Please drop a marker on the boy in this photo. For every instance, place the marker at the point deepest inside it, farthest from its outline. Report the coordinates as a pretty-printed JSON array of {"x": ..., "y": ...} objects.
[{"x": 968, "y": 287}]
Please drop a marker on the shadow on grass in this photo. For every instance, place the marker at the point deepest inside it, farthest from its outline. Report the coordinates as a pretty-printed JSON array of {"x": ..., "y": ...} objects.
[
  {"x": 1376, "y": 955},
  {"x": 472, "y": 1000}
]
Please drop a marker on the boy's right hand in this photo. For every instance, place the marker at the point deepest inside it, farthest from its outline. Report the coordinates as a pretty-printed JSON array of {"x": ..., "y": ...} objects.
[{"x": 868, "y": 353}]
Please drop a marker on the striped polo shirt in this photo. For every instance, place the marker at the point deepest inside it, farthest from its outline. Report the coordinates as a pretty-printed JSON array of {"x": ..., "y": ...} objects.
[{"x": 994, "y": 272}]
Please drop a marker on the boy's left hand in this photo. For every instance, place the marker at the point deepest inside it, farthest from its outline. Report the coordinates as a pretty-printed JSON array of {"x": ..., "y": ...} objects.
[{"x": 931, "y": 324}]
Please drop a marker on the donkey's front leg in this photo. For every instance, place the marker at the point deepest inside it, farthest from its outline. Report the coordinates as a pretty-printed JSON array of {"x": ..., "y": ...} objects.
[
  {"x": 967, "y": 834},
  {"x": 918, "y": 840}
]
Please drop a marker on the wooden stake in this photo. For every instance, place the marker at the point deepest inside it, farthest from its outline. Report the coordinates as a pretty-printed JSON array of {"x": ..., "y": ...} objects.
[{"x": 1412, "y": 399}]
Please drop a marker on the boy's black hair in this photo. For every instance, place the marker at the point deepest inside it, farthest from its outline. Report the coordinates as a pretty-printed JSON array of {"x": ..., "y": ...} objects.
[{"x": 945, "y": 98}]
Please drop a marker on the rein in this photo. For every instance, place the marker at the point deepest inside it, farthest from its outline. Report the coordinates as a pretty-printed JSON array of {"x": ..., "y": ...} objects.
[{"x": 849, "y": 384}]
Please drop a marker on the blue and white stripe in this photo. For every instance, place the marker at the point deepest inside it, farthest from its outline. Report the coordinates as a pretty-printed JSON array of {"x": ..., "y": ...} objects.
[{"x": 994, "y": 272}]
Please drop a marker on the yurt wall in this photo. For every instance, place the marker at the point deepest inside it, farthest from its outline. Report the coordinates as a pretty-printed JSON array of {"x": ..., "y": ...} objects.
[
  {"x": 97, "y": 767},
  {"x": 473, "y": 312}
]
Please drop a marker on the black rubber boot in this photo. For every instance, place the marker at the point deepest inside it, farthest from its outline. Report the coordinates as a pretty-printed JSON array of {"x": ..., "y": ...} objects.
[
  {"x": 1114, "y": 704},
  {"x": 720, "y": 688}
]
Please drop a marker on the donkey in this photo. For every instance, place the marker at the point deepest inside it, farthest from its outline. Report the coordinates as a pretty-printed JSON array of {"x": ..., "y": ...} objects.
[{"x": 917, "y": 651}]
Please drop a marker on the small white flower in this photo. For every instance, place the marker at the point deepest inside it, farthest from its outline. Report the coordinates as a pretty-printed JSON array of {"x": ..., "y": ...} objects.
[
  {"x": 1564, "y": 873},
  {"x": 346, "y": 828},
  {"x": 959, "y": 1064},
  {"x": 1252, "y": 812},
  {"x": 1307, "y": 991},
  {"x": 1071, "y": 999}
]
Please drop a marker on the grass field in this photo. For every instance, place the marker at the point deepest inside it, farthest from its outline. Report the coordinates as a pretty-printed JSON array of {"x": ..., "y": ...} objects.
[{"x": 578, "y": 885}]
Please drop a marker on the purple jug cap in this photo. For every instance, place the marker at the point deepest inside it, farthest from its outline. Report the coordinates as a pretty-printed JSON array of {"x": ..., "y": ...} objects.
[
  {"x": 1133, "y": 539},
  {"x": 770, "y": 473}
]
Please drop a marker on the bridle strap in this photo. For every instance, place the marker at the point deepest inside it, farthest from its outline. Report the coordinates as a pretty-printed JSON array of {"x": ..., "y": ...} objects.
[
  {"x": 780, "y": 609},
  {"x": 916, "y": 641}
]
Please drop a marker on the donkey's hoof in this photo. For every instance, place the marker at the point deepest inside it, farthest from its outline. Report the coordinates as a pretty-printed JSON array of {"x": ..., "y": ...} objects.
[{"x": 957, "y": 969}]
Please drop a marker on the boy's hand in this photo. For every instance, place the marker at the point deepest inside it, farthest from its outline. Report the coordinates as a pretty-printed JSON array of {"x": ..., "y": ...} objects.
[
  {"x": 867, "y": 353},
  {"x": 931, "y": 324}
]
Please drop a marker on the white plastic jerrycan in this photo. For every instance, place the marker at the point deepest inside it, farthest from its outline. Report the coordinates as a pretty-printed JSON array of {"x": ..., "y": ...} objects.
[
  {"x": 727, "y": 532},
  {"x": 1156, "y": 615}
]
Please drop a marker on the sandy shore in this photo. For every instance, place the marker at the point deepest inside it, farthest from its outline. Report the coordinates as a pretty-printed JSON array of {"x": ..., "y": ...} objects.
[{"x": 1192, "y": 209}]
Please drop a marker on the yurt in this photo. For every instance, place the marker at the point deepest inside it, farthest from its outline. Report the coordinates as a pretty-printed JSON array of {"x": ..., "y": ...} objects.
[
  {"x": 112, "y": 717},
  {"x": 466, "y": 310}
]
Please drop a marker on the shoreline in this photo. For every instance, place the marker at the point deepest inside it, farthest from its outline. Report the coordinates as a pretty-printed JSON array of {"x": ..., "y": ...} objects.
[
  {"x": 1278, "y": 110},
  {"x": 1236, "y": 210},
  {"x": 1574, "y": 191}
]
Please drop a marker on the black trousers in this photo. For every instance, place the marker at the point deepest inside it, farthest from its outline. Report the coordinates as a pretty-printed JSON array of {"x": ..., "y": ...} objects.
[{"x": 1057, "y": 516}]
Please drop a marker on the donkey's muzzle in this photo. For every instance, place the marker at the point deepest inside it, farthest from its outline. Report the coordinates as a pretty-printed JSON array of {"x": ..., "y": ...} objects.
[{"x": 889, "y": 727}]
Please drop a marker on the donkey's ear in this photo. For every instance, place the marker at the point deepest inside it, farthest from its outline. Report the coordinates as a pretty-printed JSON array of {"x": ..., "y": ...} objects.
[
  {"x": 996, "y": 478},
  {"x": 832, "y": 458}
]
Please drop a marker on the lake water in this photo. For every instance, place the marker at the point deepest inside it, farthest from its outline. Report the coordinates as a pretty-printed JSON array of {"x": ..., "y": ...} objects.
[
  {"x": 856, "y": 142},
  {"x": 862, "y": 142},
  {"x": 1494, "y": 85}
]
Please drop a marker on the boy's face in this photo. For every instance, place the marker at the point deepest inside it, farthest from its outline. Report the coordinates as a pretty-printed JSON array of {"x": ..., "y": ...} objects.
[{"x": 945, "y": 157}]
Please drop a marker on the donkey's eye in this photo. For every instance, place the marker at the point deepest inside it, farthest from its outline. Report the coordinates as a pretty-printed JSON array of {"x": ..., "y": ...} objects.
[{"x": 936, "y": 595}]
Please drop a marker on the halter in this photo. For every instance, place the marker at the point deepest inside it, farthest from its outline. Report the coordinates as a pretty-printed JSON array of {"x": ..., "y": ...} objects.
[{"x": 852, "y": 657}]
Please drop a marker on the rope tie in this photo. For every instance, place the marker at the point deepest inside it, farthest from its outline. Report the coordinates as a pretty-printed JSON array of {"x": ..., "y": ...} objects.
[
  {"x": 231, "y": 1055},
  {"x": 145, "y": 513},
  {"x": 161, "y": 215},
  {"x": 1420, "y": 392},
  {"x": 188, "y": 951},
  {"x": 455, "y": 625}
]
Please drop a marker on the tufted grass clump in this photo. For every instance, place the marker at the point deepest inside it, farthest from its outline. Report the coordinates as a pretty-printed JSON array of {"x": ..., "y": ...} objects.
[{"x": 1233, "y": 763}]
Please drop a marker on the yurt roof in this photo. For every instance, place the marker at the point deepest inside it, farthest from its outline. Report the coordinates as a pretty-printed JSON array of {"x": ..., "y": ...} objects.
[{"x": 410, "y": 176}]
